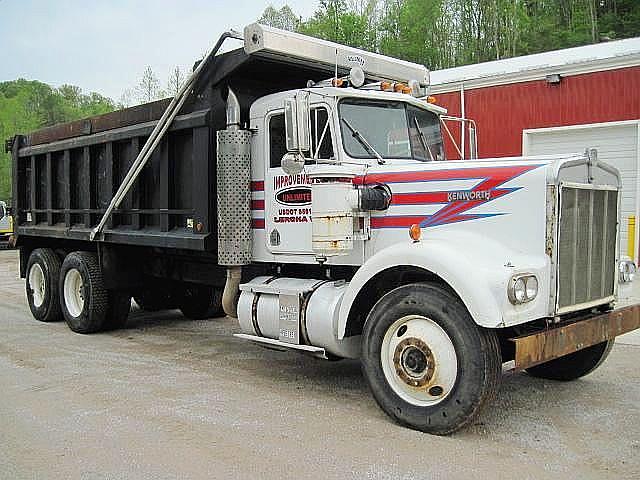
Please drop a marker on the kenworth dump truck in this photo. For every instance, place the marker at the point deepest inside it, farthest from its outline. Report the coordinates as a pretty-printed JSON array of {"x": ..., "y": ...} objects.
[{"x": 302, "y": 187}]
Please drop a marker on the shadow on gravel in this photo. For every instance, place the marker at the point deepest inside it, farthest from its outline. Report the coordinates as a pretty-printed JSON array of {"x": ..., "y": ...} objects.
[
  {"x": 525, "y": 411},
  {"x": 138, "y": 318}
]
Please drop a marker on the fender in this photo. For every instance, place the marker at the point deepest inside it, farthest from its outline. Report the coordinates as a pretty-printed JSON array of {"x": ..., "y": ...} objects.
[{"x": 439, "y": 257}]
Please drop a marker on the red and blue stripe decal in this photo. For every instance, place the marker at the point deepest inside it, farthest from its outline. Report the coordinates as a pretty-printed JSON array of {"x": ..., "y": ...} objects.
[{"x": 453, "y": 211}]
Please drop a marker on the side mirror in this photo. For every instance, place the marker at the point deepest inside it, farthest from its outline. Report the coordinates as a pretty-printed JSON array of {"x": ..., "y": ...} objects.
[
  {"x": 292, "y": 163},
  {"x": 297, "y": 121}
]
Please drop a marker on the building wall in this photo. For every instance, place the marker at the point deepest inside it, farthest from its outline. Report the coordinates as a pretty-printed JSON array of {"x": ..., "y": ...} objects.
[{"x": 502, "y": 112}]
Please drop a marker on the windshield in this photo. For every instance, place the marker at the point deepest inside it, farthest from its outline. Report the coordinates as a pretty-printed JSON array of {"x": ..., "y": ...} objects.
[{"x": 393, "y": 129}]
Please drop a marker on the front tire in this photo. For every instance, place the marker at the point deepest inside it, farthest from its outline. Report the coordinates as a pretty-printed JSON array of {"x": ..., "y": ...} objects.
[
  {"x": 84, "y": 300},
  {"x": 429, "y": 366},
  {"x": 41, "y": 284},
  {"x": 575, "y": 365}
]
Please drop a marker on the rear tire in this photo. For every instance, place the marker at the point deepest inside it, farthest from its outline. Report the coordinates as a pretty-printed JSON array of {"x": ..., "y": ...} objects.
[
  {"x": 118, "y": 311},
  {"x": 429, "y": 366},
  {"x": 201, "y": 301},
  {"x": 84, "y": 300},
  {"x": 575, "y": 365},
  {"x": 41, "y": 284}
]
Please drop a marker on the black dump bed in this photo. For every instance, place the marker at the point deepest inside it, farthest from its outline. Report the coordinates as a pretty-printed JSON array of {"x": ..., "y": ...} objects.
[{"x": 65, "y": 176}]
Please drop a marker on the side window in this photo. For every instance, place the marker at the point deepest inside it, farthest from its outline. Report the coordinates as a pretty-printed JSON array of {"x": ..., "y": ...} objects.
[
  {"x": 277, "y": 141},
  {"x": 321, "y": 141},
  {"x": 2, "y": 211},
  {"x": 321, "y": 134}
]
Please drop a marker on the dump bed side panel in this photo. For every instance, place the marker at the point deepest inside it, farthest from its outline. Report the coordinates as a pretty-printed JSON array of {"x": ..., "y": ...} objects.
[{"x": 64, "y": 187}]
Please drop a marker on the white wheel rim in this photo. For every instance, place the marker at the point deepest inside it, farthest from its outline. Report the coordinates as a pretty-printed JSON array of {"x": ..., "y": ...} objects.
[
  {"x": 74, "y": 292},
  {"x": 37, "y": 284},
  {"x": 419, "y": 360}
]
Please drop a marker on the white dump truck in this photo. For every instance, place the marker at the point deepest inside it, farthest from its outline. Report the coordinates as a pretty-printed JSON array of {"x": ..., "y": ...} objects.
[{"x": 303, "y": 187}]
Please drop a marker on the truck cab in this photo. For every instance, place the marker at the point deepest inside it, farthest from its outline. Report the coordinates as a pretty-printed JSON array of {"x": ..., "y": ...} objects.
[{"x": 399, "y": 126}]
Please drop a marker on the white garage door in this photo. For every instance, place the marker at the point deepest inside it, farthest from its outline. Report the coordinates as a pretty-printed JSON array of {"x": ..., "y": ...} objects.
[{"x": 617, "y": 144}]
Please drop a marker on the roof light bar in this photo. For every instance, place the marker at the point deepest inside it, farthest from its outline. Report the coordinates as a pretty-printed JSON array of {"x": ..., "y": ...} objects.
[{"x": 273, "y": 42}]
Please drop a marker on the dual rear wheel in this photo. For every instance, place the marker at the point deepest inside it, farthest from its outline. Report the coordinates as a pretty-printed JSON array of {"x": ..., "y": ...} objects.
[{"x": 74, "y": 289}]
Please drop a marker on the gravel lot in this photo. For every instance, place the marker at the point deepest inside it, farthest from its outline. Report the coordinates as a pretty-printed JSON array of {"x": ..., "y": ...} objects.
[{"x": 172, "y": 398}]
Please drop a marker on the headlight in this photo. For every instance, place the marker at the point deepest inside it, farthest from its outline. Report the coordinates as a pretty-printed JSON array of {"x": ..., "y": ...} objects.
[
  {"x": 626, "y": 271},
  {"x": 522, "y": 289},
  {"x": 532, "y": 287}
]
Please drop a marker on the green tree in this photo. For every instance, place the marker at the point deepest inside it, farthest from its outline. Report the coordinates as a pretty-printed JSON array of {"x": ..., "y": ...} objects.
[
  {"x": 27, "y": 105},
  {"x": 335, "y": 20}
]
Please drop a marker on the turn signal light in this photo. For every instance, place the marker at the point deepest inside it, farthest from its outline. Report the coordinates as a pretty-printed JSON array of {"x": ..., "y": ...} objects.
[
  {"x": 395, "y": 87},
  {"x": 337, "y": 82},
  {"x": 431, "y": 99},
  {"x": 415, "y": 232}
]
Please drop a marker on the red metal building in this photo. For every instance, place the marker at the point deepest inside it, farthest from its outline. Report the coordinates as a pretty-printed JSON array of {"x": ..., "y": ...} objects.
[
  {"x": 556, "y": 102},
  {"x": 582, "y": 85}
]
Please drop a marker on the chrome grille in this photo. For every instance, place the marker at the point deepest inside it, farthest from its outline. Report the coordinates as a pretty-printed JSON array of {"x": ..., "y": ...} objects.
[{"x": 586, "y": 246}]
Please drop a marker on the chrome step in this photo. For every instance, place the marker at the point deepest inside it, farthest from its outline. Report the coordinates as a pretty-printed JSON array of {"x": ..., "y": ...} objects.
[{"x": 315, "y": 351}]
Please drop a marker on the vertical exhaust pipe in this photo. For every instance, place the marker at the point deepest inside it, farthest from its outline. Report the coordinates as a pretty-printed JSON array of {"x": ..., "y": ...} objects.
[
  {"x": 234, "y": 203},
  {"x": 231, "y": 291},
  {"x": 233, "y": 111}
]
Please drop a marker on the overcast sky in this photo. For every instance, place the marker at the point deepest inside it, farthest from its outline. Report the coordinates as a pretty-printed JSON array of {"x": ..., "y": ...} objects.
[{"x": 104, "y": 46}]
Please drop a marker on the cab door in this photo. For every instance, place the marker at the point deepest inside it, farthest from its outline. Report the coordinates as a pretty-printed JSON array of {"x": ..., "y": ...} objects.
[{"x": 288, "y": 197}]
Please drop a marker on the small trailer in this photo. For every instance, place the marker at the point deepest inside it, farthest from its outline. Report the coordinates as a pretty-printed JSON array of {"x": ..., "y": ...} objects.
[{"x": 301, "y": 186}]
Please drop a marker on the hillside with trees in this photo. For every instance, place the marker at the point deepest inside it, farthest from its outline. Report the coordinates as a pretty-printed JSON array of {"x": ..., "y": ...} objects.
[{"x": 26, "y": 105}]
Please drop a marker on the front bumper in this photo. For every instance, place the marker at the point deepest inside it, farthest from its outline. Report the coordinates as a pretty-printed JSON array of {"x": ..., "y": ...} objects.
[{"x": 554, "y": 342}]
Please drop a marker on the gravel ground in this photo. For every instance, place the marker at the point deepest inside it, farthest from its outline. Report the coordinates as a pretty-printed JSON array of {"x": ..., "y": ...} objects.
[{"x": 172, "y": 398}]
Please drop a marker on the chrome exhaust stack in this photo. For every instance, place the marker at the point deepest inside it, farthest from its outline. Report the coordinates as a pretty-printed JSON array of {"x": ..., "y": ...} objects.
[{"x": 234, "y": 202}]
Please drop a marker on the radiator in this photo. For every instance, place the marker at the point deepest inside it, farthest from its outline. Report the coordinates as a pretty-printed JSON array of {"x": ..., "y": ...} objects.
[{"x": 587, "y": 242}]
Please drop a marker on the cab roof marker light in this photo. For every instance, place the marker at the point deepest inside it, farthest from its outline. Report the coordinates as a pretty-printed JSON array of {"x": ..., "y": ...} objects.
[{"x": 264, "y": 41}]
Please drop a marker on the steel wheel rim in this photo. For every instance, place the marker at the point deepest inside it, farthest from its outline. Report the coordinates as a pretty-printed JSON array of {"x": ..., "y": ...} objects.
[
  {"x": 73, "y": 292},
  {"x": 419, "y": 360},
  {"x": 37, "y": 284}
]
